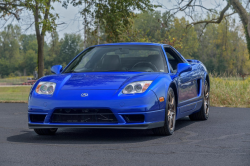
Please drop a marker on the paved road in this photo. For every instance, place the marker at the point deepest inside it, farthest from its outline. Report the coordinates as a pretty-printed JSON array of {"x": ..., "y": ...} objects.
[{"x": 222, "y": 140}]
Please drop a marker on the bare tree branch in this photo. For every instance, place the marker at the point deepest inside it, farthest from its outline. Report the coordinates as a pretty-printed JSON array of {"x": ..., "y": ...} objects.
[
  {"x": 216, "y": 20},
  {"x": 202, "y": 31},
  {"x": 11, "y": 8},
  {"x": 29, "y": 26}
]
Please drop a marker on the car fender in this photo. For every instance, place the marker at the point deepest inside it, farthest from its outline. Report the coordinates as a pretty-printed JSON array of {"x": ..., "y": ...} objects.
[{"x": 160, "y": 87}]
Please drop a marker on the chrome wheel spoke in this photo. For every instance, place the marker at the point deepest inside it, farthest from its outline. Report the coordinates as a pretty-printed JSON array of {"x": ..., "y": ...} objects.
[{"x": 207, "y": 95}]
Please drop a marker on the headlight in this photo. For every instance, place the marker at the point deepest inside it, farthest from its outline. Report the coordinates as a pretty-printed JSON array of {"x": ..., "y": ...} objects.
[
  {"x": 136, "y": 87},
  {"x": 46, "y": 88}
]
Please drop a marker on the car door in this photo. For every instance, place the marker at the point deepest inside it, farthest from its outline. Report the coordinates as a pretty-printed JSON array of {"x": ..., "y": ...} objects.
[{"x": 187, "y": 81}]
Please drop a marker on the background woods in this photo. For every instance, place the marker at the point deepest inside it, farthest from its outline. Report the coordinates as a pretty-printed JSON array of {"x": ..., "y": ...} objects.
[{"x": 221, "y": 47}]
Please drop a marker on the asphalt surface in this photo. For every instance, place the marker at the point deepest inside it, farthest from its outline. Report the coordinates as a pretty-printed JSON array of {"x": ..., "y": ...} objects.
[{"x": 224, "y": 139}]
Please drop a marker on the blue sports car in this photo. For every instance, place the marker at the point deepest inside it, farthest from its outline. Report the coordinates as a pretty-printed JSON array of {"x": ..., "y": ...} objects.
[{"x": 121, "y": 86}]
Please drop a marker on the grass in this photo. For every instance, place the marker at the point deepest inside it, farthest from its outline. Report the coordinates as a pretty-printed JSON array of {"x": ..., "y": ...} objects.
[
  {"x": 14, "y": 80},
  {"x": 14, "y": 94},
  {"x": 224, "y": 92},
  {"x": 230, "y": 92}
]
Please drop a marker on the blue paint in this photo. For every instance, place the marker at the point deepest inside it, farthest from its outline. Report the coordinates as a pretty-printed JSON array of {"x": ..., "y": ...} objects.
[{"x": 56, "y": 69}]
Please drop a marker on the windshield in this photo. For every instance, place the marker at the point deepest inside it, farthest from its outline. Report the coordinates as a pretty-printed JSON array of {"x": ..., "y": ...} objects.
[{"x": 119, "y": 58}]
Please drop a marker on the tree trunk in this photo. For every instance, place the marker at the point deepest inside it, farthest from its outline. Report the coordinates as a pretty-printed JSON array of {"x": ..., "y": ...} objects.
[
  {"x": 245, "y": 19},
  {"x": 40, "y": 40},
  {"x": 40, "y": 43}
]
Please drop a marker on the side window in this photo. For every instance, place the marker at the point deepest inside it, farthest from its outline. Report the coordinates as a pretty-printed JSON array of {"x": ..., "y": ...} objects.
[{"x": 173, "y": 59}]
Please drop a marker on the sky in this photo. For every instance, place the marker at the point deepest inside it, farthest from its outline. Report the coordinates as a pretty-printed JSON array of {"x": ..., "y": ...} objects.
[{"x": 72, "y": 21}]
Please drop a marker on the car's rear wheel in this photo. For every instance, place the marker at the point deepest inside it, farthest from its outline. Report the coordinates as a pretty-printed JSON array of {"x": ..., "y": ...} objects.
[
  {"x": 170, "y": 116},
  {"x": 203, "y": 114},
  {"x": 45, "y": 131}
]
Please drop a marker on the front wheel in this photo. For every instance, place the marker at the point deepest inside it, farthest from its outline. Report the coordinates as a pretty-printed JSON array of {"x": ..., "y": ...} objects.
[
  {"x": 203, "y": 114},
  {"x": 169, "y": 125},
  {"x": 45, "y": 131}
]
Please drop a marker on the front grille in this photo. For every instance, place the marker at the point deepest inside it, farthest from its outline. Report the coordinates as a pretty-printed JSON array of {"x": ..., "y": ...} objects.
[
  {"x": 83, "y": 115},
  {"x": 37, "y": 118}
]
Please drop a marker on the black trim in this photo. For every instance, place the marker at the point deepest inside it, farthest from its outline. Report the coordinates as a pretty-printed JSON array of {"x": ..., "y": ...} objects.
[
  {"x": 83, "y": 115},
  {"x": 176, "y": 52},
  {"x": 39, "y": 118},
  {"x": 127, "y": 126}
]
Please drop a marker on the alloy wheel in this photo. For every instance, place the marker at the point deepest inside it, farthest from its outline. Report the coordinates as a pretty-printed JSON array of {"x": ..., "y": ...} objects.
[
  {"x": 171, "y": 111},
  {"x": 206, "y": 99}
]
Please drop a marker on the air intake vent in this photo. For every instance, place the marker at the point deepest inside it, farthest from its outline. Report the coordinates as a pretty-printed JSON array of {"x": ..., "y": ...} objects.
[
  {"x": 198, "y": 87},
  {"x": 37, "y": 118},
  {"x": 134, "y": 118},
  {"x": 83, "y": 115}
]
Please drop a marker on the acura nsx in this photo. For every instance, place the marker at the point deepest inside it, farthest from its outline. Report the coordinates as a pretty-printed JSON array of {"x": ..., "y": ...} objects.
[{"x": 121, "y": 86}]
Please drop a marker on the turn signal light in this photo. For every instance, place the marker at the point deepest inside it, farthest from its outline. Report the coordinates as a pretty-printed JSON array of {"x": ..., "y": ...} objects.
[{"x": 161, "y": 99}]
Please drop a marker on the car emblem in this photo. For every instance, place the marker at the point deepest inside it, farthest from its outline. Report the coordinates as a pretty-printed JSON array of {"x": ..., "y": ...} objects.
[{"x": 84, "y": 94}]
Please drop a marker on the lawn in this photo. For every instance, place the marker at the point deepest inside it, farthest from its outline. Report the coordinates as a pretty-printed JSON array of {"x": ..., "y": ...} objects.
[
  {"x": 14, "y": 80},
  {"x": 224, "y": 92},
  {"x": 230, "y": 92},
  {"x": 14, "y": 94}
]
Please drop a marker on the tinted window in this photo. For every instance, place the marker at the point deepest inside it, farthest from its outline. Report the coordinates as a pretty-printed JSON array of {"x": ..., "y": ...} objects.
[
  {"x": 173, "y": 59},
  {"x": 119, "y": 58}
]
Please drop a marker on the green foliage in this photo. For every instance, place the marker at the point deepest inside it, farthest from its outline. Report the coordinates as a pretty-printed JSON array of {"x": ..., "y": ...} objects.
[
  {"x": 162, "y": 28},
  {"x": 111, "y": 14},
  {"x": 131, "y": 34},
  {"x": 29, "y": 42},
  {"x": 18, "y": 52},
  {"x": 221, "y": 47},
  {"x": 184, "y": 39},
  {"x": 149, "y": 23},
  {"x": 42, "y": 11},
  {"x": 223, "y": 50},
  {"x": 44, "y": 20},
  {"x": 71, "y": 45}
]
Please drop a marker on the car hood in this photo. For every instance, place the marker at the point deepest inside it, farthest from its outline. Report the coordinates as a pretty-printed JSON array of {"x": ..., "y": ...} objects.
[{"x": 98, "y": 80}]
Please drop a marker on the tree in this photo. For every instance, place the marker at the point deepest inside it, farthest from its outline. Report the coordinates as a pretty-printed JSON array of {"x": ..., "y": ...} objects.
[
  {"x": 161, "y": 28},
  {"x": 191, "y": 7},
  {"x": 10, "y": 7},
  {"x": 111, "y": 14},
  {"x": 222, "y": 48},
  {"x": 44, "y": 20},
  {"x": 9, "y": 49},
  {"x": 71, "y": 45},
  {"x": 150, "y": 24}
]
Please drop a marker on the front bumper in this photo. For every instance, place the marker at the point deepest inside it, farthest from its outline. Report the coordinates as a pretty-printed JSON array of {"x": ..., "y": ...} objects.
[
  {"x": 152, "y": 119},
  {"x": 142, "y": 104}
]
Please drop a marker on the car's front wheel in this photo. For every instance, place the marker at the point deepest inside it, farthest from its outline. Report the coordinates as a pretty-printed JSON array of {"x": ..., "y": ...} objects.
[
  {"x": 45, "y": 131},
  {"x": 170, "y": 116}
]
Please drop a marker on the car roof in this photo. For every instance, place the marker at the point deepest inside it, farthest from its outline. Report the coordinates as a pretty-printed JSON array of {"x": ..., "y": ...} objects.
[{"x": 131, "y": 43}]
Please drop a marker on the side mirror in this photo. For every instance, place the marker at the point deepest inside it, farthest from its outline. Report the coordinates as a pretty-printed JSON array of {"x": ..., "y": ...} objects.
[
  {"x": 183, "y": 67},
  {"x": 56, "y": 69}
]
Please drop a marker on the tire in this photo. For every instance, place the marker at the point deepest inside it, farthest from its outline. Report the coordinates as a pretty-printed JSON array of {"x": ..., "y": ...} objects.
[
  {"x": 46, "y": 131},
  {"x": 170, "y": 116},
  {"x": 203, "y": 114}
]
